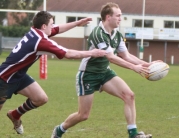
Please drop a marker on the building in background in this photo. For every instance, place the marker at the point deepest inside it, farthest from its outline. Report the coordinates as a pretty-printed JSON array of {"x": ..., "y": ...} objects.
[{"x": 160, "y": 32}]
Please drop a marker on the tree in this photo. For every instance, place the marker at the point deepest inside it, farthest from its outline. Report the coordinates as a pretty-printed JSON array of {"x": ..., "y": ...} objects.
[
  {"x": 3, "y": 5},
  {"x": 24, "y": 20}
]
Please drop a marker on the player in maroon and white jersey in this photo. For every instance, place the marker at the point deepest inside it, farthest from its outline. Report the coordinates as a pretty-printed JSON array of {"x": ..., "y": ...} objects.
[{"x": 13, "y": 77}]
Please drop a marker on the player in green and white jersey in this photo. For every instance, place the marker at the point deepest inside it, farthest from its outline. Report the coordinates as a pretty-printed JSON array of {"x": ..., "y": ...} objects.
[
  {"x": 101, "y": 39},
  {"x": 95, "y": 74}
]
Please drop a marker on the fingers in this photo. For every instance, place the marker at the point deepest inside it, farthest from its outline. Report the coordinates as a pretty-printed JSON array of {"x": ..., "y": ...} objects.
[
  {"x": 156, "y": 61},
  {"x": 84, "y": 21},
  {"x": 88, "y": 19},
  {"x": 144, "y": 72}
]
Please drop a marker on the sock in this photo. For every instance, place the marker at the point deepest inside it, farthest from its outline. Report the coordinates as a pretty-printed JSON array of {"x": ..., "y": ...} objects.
[
  {"x": 132, "y": 130},
  {"x": 25, "y": 107},
  {"x": 60, "y": 130}
]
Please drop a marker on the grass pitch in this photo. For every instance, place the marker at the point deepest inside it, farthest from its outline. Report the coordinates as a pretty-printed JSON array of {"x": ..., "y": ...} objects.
[{"x": 156, "y": 102}]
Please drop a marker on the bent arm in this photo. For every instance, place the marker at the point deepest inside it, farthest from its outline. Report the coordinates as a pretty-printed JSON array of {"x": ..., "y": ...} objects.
[
  {"x": 131, "y": 58},
  {"x": 125, "y": 64},
  {"x": 119, "y": 61}
]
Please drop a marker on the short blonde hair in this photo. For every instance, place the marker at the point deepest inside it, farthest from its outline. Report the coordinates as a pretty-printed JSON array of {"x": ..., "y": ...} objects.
[{"x": 107, "y": 9}]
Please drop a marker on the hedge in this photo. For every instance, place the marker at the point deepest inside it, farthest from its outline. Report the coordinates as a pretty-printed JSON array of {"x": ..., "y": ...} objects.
[{"x": 14, "y": 31}]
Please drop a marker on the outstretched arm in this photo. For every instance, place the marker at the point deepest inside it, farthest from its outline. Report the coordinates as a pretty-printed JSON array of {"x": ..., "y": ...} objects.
[
  {"x": 75, "y": 54},
  {"x": 126, "y": 64},
  {"x": 131, "y": 58},
  {"x": 68, "y": 26}
]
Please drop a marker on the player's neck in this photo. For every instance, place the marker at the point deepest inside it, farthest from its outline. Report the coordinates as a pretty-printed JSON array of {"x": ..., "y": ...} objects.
[{"x": 107, "y": 28}]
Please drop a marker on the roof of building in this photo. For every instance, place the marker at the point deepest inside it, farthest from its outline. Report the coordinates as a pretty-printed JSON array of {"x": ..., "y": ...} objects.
[{"x": 152, "y": 7}]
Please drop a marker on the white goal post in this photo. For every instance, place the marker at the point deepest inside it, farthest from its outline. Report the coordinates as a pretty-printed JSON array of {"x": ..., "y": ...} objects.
[
  {"x": 27, "y": 11},
  {"x": 43, "y": 59}
]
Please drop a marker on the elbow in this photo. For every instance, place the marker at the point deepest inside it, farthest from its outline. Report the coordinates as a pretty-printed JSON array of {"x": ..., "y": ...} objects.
[
  {"x": 69, "y": 55},
  {"x": 111, "y": 59}
]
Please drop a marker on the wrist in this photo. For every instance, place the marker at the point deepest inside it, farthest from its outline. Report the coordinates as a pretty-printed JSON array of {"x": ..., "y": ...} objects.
[{"x": 77, "y": 23}]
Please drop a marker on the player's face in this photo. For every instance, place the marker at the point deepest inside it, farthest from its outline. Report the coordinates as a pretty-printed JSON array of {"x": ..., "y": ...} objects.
[
  {"x": 48, "y": 27},
  {"x": 115, "y": 19}
]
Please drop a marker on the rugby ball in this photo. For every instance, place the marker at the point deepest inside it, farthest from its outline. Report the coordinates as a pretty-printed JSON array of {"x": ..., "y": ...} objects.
[{"x": 157, "y": 71}]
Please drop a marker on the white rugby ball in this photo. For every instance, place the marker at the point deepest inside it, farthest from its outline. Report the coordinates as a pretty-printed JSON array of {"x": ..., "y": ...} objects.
[{"x": 157, "y": 71}]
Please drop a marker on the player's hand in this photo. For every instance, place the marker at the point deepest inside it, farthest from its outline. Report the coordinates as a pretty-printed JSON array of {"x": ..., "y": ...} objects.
[
  {"x": 148, "y": 64},
  {"x": 142, "y": 70},
  {"x": 84, "y": 21},
  {"x": 98, "y": 53},
  {"x": 156, "y": 61}
]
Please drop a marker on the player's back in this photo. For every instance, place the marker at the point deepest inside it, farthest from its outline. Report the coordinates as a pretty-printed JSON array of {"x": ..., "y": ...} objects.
[{"x": 21, "y": 57}]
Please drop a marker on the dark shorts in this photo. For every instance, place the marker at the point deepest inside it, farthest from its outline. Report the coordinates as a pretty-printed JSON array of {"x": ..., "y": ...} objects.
[
  {"x": 87, "y": 82},
  {"x": 8, "y": 89}
]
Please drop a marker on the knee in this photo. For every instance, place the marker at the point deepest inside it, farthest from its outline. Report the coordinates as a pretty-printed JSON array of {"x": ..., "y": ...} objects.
[
  {"x": 40, "y": 101},
  {"x": 132, "y": 96},
  {"x": 129, "y": 97},
  {"x": 44, "y": 100},
  {"x": 84, "y": 117}
]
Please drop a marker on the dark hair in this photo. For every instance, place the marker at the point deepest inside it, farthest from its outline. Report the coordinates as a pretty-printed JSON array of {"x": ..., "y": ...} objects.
[
  {"x": 107, "y": 9},
  {"x": 42, "y": 17}
]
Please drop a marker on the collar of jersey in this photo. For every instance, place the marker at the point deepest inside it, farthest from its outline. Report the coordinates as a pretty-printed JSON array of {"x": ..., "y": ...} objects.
[
  {"x": 45, "y": 35},
  {"x": 113, "y": 32}
]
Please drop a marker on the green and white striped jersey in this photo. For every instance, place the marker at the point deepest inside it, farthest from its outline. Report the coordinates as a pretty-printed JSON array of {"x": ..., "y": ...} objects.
[{"x": 101, "y": 39}]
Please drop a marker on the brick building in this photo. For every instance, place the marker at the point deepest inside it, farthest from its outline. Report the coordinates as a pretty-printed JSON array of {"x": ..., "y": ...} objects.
[{"x": 160, "y": 33}]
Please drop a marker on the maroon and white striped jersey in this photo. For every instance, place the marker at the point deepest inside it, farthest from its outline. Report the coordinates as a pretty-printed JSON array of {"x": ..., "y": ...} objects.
[{"x": 29, "y": 49}]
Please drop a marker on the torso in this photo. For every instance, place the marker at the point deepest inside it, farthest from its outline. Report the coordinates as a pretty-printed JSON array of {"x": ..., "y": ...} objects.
[
  {"x": 26, "y": 52},
  {"x": 99, "y": 36}
]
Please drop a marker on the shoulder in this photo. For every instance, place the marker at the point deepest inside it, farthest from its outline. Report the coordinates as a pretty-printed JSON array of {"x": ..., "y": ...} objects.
[
  {"x": 119, "y": 35},
  {"x": 98, "y": 33},
  {"x": 97, "y": 30},
  {"x": 118, "y": 32}
]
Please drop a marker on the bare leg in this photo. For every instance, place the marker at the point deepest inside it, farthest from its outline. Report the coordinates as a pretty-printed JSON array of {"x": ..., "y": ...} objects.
[
  {"x": 85, "y": 104},
  {"x": 36, "y": 97},
  {"x": 117, "y": 87},
  {"x": 35, "y": 93}
]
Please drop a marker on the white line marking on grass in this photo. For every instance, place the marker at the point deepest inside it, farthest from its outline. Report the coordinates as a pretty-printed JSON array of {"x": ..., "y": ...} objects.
[
  {"x": 173, "y": 117},
  {"x": 91, "y": 129},
  {"x": 79, "y": 130},
  {"x": 139, "y": 122}
]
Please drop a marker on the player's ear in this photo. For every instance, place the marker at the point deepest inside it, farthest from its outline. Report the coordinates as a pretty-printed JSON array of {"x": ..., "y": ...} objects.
[
  {"x": 43, "y": 26},
  {"x": 108, "y": 16}
]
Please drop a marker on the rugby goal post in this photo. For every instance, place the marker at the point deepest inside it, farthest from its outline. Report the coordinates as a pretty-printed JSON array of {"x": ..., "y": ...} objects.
[{"x": 43, "y": 58}]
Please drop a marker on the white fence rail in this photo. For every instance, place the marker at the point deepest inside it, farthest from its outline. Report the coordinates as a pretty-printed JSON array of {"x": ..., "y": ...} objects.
[{"x": 9, "y": 42}]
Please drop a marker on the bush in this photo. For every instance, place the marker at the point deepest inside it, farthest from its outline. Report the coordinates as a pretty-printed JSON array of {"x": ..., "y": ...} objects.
[{"x": 14, "y": 31}]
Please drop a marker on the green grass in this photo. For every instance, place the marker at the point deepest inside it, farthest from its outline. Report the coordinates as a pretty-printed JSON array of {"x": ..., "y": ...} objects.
[{"x": 156, "y": 102}]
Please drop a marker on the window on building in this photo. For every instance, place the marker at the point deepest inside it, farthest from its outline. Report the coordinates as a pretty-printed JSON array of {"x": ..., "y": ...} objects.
[
  {"x": 176, "y": 24},
  {"x": 147, "y": 23},
  {"x": 79, "y": 18},
  {"x": 71, "y": 19},
  {"x": 98, "y": 20},
  {"x": 137, "y": 23},
  {"x": 168, "y": 24}
]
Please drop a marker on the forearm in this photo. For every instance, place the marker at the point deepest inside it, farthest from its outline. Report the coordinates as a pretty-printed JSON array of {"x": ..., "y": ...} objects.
[
  {"x": 67, "y": 26},
  {"x": 74, "y": 54},
  {"x": 121, "y": 62},
  {"x": 135, "y": 60}
]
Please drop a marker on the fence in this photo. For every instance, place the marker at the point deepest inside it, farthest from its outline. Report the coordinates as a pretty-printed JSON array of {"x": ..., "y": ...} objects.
[
  {"x": 0, "y": 42},
  {"x": 9, "y": 42}
]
